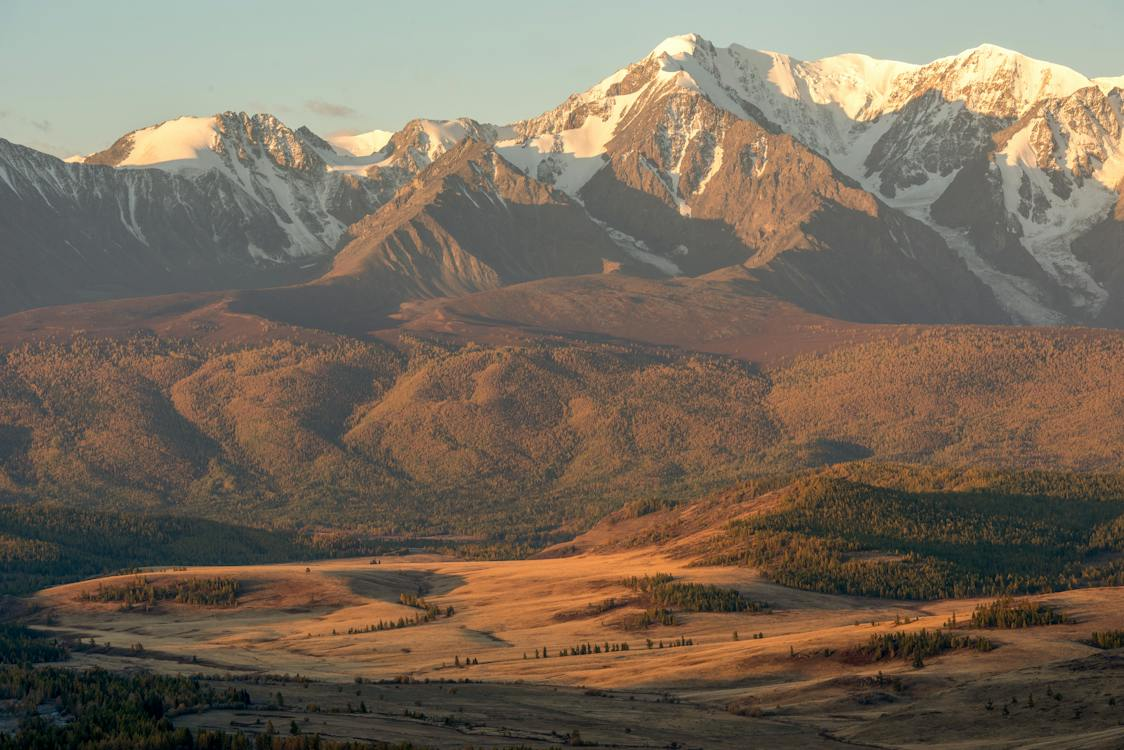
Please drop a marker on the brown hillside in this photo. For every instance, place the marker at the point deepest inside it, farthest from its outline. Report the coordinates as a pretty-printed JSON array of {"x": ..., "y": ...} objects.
[{"x": 547, "y": 428}]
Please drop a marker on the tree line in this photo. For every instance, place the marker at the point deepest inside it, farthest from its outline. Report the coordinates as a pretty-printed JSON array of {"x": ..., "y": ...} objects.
[
  {"x": 145, "y": 592},
  {"x": 837, "y": 535},
  {"x": 662, "y": 590},
  {"x": 917, "y": 646},
  {"x": 1009, "y": 613}
]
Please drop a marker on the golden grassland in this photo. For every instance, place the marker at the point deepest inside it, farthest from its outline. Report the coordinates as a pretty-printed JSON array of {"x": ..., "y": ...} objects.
[{"x": 296, "y": 619}]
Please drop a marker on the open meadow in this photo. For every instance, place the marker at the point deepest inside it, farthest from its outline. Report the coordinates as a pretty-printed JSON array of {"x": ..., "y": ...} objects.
[{"x": 494, "y": 664}]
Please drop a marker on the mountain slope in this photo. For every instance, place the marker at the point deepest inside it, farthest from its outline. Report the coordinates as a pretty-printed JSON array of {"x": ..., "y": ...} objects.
[
  {"x": 77, "y": 231},
  {"x": 289, "y": 172},
  {"x": 472, "y": 200},
  {"x": 468, "y": 222},
  {"x": 1046, "y": 193}
]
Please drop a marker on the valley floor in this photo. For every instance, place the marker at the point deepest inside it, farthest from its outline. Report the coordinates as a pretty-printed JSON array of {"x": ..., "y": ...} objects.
[{"x": 785, "y": 681}]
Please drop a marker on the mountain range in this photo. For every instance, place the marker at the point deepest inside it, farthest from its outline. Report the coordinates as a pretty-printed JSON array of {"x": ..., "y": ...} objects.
[{"x": 979, "y": 188}]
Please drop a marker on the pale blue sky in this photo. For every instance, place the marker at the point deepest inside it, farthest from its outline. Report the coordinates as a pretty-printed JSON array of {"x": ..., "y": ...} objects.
[{"x": 76, "y": 75}]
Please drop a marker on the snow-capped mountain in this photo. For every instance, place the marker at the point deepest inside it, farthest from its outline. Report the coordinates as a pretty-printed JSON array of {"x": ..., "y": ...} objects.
[
  {"x": 903, "y": 132},
  {"x": 296, "y": 175},
  {"x": 194, "y": 203},
  {"x": 981, "y": 186},
  {"x": 313, "y": 187},
  {"x": 850, "y": 108}
]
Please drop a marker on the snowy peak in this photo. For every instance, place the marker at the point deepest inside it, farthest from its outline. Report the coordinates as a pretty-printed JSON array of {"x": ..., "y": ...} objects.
[
  {"x": 988, "y": 78},
  {"x": 840, "y": 106},
  {"x": 903, "y": 131},
  {"x": 854, "y": 82},
  {"x": 184, "y": 140},
  {"x": 469, "y": 221},
  {"x": 470, "y": 172},
  {"x": 1108, "y": 84},
  {"x": 993, "y": 81},
  {"x": 421, "y": 141},
  {"x": 360, "y": 144},
  {"x": 683, "y": 44},
  {"x": 199, "y": 143},
  {"x": 254, "y": 164},
  {"x": 1079, "y": 134},
  {"x": 252, "y": 137},
  {"x": 824, "y": 103}
]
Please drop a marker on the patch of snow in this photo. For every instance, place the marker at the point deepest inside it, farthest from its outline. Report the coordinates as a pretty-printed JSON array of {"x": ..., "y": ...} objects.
[
  {"x": 916, "y": 199},
  {"x": 7, "y": 180},
  {"x": 131, "y": 222},
  {"x": 571, "y": 156},
  {"x": 441, "y": 136},
  {"x": 1026, "y": 79},
  {"x": 1020, "y": 297},
  {"x": 565, "y": 172},
  {"x": 638, "y": 249},
  {"x": 671, "y": 183},
  {"x": 360, "y": 144},
  {"x": 1048, "y": 236},
  {"x": 349, "y": 164},
  {"x": 187, "y": 142},
  {"x": 683, "y": 44},
  {"x": 715, "y": 165},
  {"x": 466, "y": 194},
  {"x": 258, "y": 254},
  {"x": 1108, "y": 84}
]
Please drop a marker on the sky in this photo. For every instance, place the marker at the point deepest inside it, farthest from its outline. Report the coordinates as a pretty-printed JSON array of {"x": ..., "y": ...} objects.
[{"x": 75, "y": 76}]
